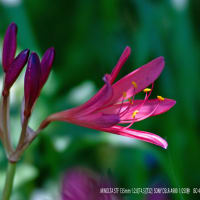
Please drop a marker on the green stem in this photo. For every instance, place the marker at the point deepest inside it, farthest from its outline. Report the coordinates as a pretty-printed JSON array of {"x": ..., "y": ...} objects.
[
  {"x": 23, "y": 133},
  {"x": 5, "y": 119},
  {"x": 9, "y": 181}
]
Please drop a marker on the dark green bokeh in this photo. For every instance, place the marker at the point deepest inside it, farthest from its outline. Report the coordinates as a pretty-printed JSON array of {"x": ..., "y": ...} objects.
[{"x": 89, "y": 37}]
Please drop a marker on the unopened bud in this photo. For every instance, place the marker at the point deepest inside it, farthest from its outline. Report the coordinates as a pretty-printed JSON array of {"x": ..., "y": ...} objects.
[
  {"x": 32, "y": 82},
  {"x": 9, "y": 46},
  {"x": 15, "y": 69},
  {"x": 46, "y": 65}
]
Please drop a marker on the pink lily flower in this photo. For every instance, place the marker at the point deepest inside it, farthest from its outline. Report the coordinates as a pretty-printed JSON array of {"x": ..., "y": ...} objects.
[{"x": 115, "y": 104}]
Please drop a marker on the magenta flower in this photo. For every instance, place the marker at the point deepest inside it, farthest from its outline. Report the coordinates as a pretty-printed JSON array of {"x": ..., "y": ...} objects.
[{"x": 115, "y": 104}]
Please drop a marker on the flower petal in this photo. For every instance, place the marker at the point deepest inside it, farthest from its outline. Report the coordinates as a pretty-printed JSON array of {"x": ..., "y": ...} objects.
[
  {"x": 140, "y": 135},
  {"x": 126, "y": 53},
  {"x": 149, "y": 108},
  {"x": 94, "y": 120},
  {"x": 142, "y": 76},
  {"x": 97, "y": 101},
  {"x": 15, "y": 69},
  {"x": 105, "y": 93},
  {"x": 102, "y": 120},
  {"x": 9, "y": 46}
]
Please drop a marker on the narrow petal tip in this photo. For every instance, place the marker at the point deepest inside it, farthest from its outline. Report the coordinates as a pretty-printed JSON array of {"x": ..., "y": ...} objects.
[
  {"x": 12, "y": 27},
  {"x": 26, "y": 51},
  {"x": 166, "y": 105},
  {"x": 34, "y": 59},
  {"x": 126, "y": 53},
  {"x": 161, "y": 60},
  {"x": 13, "y": 24},
  {"x": 165, "y": 145},
  {"x": 127, "y": 50},
  {"x": 173, "y": 102},
  {"x": 52, "y": 49}
]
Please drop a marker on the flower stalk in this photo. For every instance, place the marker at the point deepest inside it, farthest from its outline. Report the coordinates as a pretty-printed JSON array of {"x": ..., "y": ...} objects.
[
  {"x": 5, "y": 125},
  {"x": 9, "y": 181},
  {"x": 23, "y": 134}
]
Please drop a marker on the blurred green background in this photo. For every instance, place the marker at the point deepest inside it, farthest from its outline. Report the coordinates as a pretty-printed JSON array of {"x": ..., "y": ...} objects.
[{"x": 89, "y": 37}]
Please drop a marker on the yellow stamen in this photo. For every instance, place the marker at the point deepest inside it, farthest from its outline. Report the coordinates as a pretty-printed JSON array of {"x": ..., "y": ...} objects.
[
  {"x": 134, "y": 113},
  {"x": 147, "y": 90},
  {"x": 160, "y": 98},
  {"x": 134, "y": 84},
  {"x": 124, "y": 94}
]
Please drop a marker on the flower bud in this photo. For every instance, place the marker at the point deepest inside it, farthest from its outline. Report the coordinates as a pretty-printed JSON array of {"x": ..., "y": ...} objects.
[
  {"x": 15, "y": 69},
  {"x": 9, "y": 46},
  {"x": 32, "y": 82},
  {"x": 46, "y": 64}
]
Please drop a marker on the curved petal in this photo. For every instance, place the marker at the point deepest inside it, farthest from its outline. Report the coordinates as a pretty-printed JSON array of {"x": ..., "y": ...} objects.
[
  {"x": 126, "y": 53},
  {"x": 143, "y": 77},
  {"x": 97, "y": 101},
  {"x": 149, "y": 108},
  {"x": 103, "y": 96},
  {"x": 140, "y": 135},
  {"x": 93, "y": 121}
]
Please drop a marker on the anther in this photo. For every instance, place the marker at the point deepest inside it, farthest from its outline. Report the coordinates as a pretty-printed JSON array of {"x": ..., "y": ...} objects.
[
  {"x": 124, "y": 94},
  {"x": 134, "y": 84},
  {"x": 147, "y": 90},
  {"x": 134, "y": 113},
  {"x": 160, "y": 98}
]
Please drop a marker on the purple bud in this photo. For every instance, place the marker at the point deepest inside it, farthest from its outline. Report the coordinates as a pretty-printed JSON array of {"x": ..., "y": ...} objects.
[
  {"x": 32, "y": 82},
  {"x": 9, "y": 46},
  {"x": 46, "y": 64},
  {"x": 15, "y": 69}
]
